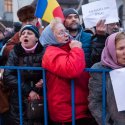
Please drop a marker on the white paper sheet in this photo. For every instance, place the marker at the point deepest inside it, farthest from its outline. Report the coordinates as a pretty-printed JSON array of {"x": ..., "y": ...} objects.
[
  {"x": 94, "y": 11},
  {"x": 118, "y": 83}
]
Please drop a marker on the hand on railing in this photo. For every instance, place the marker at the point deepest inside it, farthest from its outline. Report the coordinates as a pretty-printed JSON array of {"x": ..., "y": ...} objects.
[
  {"x": 33, "y": 95},
  {"x": 1, "y": 74},
  {"x": 39, "y": 84}
]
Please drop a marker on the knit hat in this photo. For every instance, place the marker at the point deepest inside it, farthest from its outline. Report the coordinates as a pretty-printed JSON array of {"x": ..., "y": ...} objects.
[
  {"x": 25, "y": 13},
  {"x": 68, "y": 11},
  {"x": 32, "y": 28}
]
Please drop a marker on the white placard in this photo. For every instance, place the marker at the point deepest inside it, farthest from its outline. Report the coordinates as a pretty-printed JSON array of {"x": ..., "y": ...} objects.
[
  {"x": 118, "y": 83},
  {"x": 93, "y": 12},
  {"x": 17, "y": 4}
]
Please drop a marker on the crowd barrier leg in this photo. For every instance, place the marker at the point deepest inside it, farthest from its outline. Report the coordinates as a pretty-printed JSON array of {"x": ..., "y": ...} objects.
[{"x": 1, "y": 120}]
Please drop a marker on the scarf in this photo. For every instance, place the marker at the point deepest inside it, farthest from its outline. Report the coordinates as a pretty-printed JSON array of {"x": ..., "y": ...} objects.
[
  {"x": 47, "y": 38},
  {"x": 108, "y": 57},
  {"x": 31, "y": 50}
]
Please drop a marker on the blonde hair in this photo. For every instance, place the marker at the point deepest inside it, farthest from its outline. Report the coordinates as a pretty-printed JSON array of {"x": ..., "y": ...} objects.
[
  {"x": 119, "y": 36},
  {"x": 55, "y": 22}
]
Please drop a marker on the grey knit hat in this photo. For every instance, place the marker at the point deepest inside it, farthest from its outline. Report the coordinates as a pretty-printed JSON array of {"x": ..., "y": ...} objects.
[{"x": 68, "y": 11}]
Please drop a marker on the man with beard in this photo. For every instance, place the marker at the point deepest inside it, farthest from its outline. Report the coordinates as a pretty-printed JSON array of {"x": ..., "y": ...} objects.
[
  {"x": 72, "y": 23},
  {"x": 92, "y": 45}
]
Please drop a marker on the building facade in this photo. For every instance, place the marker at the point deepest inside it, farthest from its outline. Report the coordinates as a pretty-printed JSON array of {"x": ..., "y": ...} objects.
[{"x": 7, "y": 11}]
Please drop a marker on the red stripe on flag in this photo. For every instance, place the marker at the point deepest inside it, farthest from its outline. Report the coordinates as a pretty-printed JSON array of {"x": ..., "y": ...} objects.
[{"x": 57, "y": 12}]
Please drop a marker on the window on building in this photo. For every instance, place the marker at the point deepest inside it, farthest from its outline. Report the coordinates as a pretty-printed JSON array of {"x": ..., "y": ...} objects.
[{"x": 8, "y": 5}]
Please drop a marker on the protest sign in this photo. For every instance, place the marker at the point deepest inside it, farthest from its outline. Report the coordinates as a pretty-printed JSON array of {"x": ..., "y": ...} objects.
[
  {"x": 94, "y": 11},
  {"x": 118, "y": 83}
]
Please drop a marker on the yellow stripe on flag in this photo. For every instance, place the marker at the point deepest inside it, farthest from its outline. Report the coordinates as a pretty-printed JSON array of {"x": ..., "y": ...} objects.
[{"x": 48, "y": 15}]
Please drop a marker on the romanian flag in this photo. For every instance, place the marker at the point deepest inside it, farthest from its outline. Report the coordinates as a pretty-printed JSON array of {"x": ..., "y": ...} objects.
[{"x": 48, "y": 9}]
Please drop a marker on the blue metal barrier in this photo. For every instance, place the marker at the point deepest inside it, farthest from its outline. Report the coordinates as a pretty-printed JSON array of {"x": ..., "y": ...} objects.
[
  {"x": 18, "y": 68},
  {"x": 103, "y": 71},
  {"x": 0, "y": 120},
  {"x": 73, "y": 100}
]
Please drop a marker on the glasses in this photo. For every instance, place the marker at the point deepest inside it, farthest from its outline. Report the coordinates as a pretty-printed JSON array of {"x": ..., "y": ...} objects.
[
  {"x": 62, "y": 33},
  {"x": 114, "y": 24}
]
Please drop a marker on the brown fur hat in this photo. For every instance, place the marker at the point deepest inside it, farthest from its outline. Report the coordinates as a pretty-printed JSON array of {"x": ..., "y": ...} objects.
[{"x": 26, "y": 13}]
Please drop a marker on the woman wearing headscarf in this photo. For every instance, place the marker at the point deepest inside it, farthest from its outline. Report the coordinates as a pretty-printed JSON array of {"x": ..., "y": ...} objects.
[
  {"x": 64, "y": 60},
  {"x": 113, "y": 57},
  {"x": 28, "y": 52}
]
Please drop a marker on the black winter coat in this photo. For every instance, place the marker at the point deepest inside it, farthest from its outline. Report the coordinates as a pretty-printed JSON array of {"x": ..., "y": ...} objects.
[
  {"x": 18, "y": 57},
  {"x": 98, "y": 43}
]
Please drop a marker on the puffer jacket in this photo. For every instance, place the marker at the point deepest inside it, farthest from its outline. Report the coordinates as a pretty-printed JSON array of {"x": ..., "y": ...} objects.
[
  {"x": 18, "y": 57},
  {"x": 64, "y": 64}
]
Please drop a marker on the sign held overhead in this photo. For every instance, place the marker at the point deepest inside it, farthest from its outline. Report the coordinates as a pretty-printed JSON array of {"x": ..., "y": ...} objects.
[{"x": 95, "y": 11}]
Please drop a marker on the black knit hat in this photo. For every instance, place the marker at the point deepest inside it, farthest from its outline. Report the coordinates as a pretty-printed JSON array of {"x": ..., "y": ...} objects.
[
  {"x": 68, "y": 11},
  {"x": 32, "y": 28}
]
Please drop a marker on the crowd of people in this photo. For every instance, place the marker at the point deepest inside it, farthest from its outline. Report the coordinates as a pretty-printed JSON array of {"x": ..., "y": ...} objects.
[{"x": 64, "y": 48}]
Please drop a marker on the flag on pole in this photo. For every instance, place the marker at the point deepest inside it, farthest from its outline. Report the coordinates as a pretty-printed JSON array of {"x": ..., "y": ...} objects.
[{"x": 48, "y": 9}]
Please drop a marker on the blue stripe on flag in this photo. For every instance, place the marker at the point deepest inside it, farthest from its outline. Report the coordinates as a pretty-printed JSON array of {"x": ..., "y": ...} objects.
[{"x": 40, "y": 8}]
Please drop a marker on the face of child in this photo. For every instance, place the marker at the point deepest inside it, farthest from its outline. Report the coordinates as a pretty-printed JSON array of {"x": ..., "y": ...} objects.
[{"x": 28, "y": 39}]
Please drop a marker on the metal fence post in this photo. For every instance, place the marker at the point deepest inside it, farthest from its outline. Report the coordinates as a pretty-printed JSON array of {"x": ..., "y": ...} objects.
[
  {"x": 45, "y": 99},
  {"x": 73, "y": 101},
  {"x": 20, "y": 97},
  {"x": 103, "y": 97}
]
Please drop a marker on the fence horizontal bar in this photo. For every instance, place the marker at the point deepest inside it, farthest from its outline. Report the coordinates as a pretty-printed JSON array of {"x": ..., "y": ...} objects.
[
  {"x": 21, "y": 67},
  {"x": 97, "y": 70},
  {"x": 44, "y": 91},
  {"x": 40, "y": 68}
]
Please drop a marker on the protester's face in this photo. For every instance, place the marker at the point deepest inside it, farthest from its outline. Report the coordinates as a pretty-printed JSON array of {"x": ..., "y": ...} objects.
[
  {"x": 28, "y": 39},
  {"x": 31, "y": 21},
  {"x": 72, "y": 22},
  {"x": 1, "y": 35},
  {"x": 61, "y": 34},
  {"x": 112, "y": 28},
  {"x": 120, "y": 52}
]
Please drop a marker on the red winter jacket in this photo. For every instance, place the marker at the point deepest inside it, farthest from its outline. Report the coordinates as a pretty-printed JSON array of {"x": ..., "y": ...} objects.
[{"x": 64, "y": 64}]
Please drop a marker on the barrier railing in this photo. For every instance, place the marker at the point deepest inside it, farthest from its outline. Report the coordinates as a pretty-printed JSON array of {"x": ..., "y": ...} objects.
[
  {"x": 18, "y": 68},
  {"x": 103, "y": 71}
]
